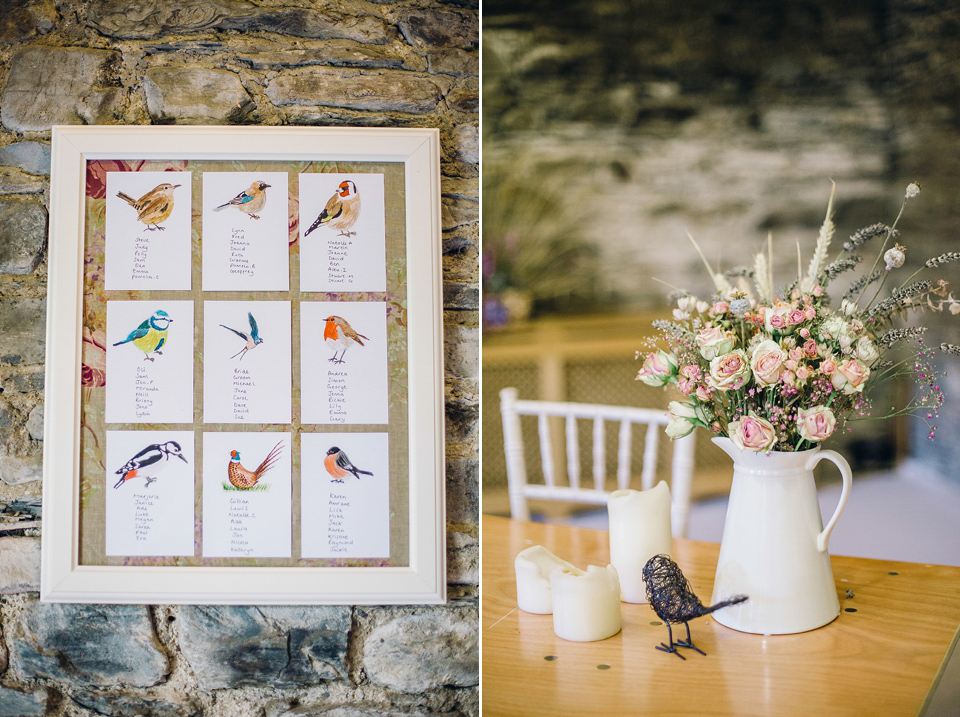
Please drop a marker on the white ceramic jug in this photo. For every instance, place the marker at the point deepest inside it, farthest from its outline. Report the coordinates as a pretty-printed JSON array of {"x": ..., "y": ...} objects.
[{"x": 774, "y": 546}]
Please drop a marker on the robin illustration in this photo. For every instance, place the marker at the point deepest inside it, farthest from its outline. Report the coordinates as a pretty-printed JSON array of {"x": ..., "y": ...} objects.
[
  {"x": 340, "y": 336},
  {"x": 153, "y": 207},
  {"x": 149, "y": 462},
  {"x": 243, "y": 479},
  {"x": 338, "y": 465},
  {"x": 253, "y": 338},
  {"x": 151, "y": 335},
  {"x": 250, "y": 200},
  {"x": 342, "y": 210}
]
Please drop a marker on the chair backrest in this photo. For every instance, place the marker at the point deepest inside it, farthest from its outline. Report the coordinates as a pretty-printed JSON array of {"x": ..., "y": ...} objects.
[{"x": 511, "y": 408}]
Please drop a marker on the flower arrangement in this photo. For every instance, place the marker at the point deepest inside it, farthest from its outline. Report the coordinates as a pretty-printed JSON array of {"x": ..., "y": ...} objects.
[{"x": 781, "y": 370}]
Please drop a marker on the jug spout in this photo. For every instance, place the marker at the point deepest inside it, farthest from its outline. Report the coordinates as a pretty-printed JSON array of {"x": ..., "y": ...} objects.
[{"x": 728, "y": 446}]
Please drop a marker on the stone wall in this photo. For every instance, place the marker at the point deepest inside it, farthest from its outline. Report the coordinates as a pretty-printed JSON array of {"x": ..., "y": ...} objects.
[
  {"x": 648, "y": 119},
  {"x": 398, "y": 63}
]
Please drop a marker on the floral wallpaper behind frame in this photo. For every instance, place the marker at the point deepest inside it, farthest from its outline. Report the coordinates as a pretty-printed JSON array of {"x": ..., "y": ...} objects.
[{"x": 94, "y": 376}]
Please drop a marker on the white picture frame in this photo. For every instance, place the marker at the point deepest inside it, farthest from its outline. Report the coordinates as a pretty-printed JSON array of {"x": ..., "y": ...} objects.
[{"x": 66, "y": 576}]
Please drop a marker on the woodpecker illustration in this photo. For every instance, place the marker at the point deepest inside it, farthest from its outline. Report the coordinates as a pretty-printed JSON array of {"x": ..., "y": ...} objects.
[
  {"x": 151, "y": 335},
  {"x": 153, "y": 207},
  {"x": 250, "y": 200},
  {"x": 339, "y": 336},
  {"x": 253, "y": 338},
  {"x": 341, "y": 211},
  {"x": 338, "y": 465},
  {"x": 149, "y": 462},
  {"x": 245, "y": 479}
]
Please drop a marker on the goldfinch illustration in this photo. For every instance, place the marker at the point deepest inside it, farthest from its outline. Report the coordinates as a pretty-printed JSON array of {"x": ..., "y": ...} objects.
[
  {"x": 244, "y": 479},
  {"x": 339, "y": 336},
  {"x": 250, "y": 200},
  {"x": 339, "y": 466},
  {"x": 342, "y": 210},
  {"x": 253, "y": 338},
  {"x": 150, "y": 336},
  {"x": 153, "y": 207},
  {"x": 149, "y": 462}
]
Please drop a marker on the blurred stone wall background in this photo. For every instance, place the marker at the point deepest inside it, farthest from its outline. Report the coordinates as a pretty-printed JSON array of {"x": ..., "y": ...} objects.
[
  {"x": 389, "y": 63},
  {"x": 633, "y": 122}
]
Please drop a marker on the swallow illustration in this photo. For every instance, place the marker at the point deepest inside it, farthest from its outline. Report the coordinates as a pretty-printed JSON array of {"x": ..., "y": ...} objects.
[
  {"x": 149, "y": 462},
  {"x": 153, "y": 207},
  {"x": 253, "y": 338},
  {"x": 151, "y": 335},
  {"x": 245, "y": 479},
  {"x": 338, "y": 465},
  {"x": 340, "y": 336},
  {"x": 342, "y": 210},
  {"x": 250, "y": 200}
]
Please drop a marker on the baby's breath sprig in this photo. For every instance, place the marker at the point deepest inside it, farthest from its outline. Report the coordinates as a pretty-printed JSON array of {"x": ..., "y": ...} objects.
[{"x": 672, "y": 328}]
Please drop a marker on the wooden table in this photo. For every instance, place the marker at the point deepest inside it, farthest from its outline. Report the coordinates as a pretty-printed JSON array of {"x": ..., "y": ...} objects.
[{"x": 879, "y": 657}]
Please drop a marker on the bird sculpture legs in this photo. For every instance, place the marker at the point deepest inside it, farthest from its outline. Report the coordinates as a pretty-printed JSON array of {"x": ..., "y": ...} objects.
[{"x": 679, "y": 643}]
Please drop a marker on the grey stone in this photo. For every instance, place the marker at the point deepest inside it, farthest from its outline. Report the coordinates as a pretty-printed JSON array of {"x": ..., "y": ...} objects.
[
  {"x": 24, "y": 382},
  {"x": 439, "y": 28},
  {"x": 14, "y": 703},
  {"x": 462, "y": 351},
  {"x": 453, "y": 61},
  {"x": 461, "y": 296},
  {"x": 286, "y": 709},
  {"x": 462, "y": 419},
  {"x": 22, "y": 331},
  {"x": 277, "y": 646},
  {"x": 414, "y": 653},
  {"x": 465, "y": 96},
  {"x": 20, "y": 21},
  {"x": 386, "y": 90},
  {"x": 87, "y": 644},
  {"x": 16, "y": 470},
  {"x": 16, "y": 181},
  {"x": 467, "y": 138},
  {"x": 31, "y": 157},
  {"x": 23, "y": 232},
  {"x": 463, "y": 490},
  {"x": 463, "y": 559},
  {"x": 8, "y": 415},
  {"x": 338, "y": 53},
  {"x": 458, "y": 212},
  {"x": 188, "y": 95},
  {"x": 128, "y": 706},
  {"x": 19, "y": 565},
  {"x": 35, "y": 423},
  {"x": 149, "y": 19},
  {"x": 58, "y": 85}
]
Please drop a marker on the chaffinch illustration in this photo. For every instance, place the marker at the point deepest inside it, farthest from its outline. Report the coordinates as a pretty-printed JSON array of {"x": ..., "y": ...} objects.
[
  {"x": 250, "y": 200},
  {"x": 153, "y": 207},
  {"x": 342, "y": 210}
]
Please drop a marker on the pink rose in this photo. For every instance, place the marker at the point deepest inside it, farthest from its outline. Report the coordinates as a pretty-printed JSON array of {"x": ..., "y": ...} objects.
[
  {"x": 777, "y": 321},
  {"x": 810, "y": 348},
  {"x": 810, "y": 313},
  {"x": 752, "y": 433},
  {"x": 730, "y": 371},
  {"x": 796, "y": 316},
  {"x": 658, "y": 368},
  {"x": 767, "y": 362},
  {"x": 828, "y": 367},
  {"x": 818, "y": 290},
  {"x": 703, "y": 393},
  {"x": 850, "y": 376},
  {"x": 805, "y": 333},
  {"x": 815, "y": 424},
  {"x": 719, "y": 309},
  {"x": 796, "y": 353},
  {"x": 714, "y": 341},
  {"x": 803, "y": 373}
]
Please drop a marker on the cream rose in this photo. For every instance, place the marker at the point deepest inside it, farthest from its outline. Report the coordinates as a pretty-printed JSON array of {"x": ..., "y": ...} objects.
[
  {"x": 683, "y": 419},
  {"x": 714, "y": 342},
  {"x": 752, "y": 433},
  {"x": 730, "y": 371},
  {"x": 658, "y": 368},
  {"x": 850, "y": 376},
  {"x": 866, "y": 351},
  {"x": 767, "y": 362},
  {"x": 816, "y": 423}
]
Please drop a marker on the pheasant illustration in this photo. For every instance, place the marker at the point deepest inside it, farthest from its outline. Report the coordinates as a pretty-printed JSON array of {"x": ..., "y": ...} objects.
[{"x": 245, "y": 479}]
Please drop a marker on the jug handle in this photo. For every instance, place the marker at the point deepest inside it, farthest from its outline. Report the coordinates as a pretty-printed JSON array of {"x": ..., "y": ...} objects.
[{"x": 844, "y": 467}]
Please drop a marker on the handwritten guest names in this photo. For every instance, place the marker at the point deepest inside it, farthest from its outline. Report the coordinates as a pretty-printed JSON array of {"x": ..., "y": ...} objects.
[
  {"x": 243, "y": 385},
  {"x": 144, "y": 388},
  {"x": 143, "y": 522},
  {"x": 337, "y": 396},
  {"x": 337, "y": 258},
  {"x": 338, "y": 539},
  {"x": 240, "y": 263},
  {"x": 141, "y": 250},
  {"x": 240, "y": 517}
]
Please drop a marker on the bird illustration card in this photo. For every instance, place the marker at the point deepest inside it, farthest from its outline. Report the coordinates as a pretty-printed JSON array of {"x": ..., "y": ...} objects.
[
  {"x": 246, "y": 218},
  {"x": 149, "y": 493},
  {"x": 149, "y": 362},
  {"x": 247, "y": 495},
  {"x": 148, "y": 232},
  {"x": 342, "y": 233},
  {"x": 343, "y": 362},
  {"x": 344, "y": 495},
  {"x": 246, "y": 362}
]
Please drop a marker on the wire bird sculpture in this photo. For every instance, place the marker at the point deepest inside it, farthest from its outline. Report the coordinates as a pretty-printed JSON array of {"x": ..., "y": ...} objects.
[{"x": 673, "y": 600}]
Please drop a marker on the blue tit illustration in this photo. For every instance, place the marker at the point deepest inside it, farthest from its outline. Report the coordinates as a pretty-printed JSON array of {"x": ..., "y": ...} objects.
[
  {"x": 253, "y": 338},
  {"x": 151, "y": 335},
  {"x": 149, "y": 462},
  {"x": 250, "y": 200},
  {"x": 341, "y": 211}
]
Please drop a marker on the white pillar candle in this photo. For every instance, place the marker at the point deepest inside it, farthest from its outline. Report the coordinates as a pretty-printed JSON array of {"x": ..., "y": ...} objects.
[
  {"x": 639, "y": 529},
  {"x": 586, "y": 606},
  {"x": 533, "y": 567}
]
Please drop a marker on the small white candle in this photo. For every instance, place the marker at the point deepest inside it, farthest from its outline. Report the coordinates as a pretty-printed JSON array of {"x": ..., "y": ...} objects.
[
  {"x": 639, "y": 529},
  {"x": 586, "y": 606},
  {"x": 533, "y": 567}
]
